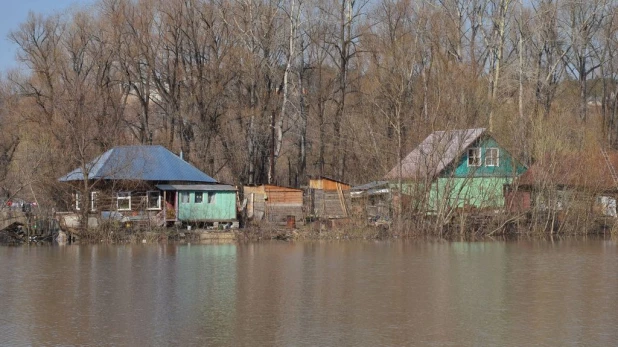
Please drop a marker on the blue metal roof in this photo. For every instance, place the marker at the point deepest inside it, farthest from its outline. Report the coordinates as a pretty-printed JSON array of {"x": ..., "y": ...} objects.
[{"x": 145, "y": 163}]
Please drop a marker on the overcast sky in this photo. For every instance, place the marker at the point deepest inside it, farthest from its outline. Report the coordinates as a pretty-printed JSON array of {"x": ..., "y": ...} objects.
[{"x": 15, "y": 12}]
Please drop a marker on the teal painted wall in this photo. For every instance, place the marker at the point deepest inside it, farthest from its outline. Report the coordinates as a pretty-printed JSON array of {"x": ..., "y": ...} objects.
[
  {"x": 223, "y": 208},
  {"x": 457, "y": 192},
  {"x": 507, "y": 166}
]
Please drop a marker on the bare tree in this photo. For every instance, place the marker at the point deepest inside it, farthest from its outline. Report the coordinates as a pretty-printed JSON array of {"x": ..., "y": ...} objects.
[{"x": 581, "y": 24}]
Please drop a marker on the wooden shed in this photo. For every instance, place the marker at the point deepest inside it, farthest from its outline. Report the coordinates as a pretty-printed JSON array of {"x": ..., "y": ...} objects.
[
  {"x": 274, "y": 203},
  {"x": 372, "y": 200},
  {"x": 328, "y": 198}
]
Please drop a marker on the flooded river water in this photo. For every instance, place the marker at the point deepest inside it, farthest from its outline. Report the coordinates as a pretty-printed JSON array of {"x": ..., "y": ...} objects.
[{"x": 384, "y": 293}]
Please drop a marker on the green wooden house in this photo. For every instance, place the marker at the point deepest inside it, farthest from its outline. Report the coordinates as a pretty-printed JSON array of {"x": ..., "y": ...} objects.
[{"x": 456, "y": 169}]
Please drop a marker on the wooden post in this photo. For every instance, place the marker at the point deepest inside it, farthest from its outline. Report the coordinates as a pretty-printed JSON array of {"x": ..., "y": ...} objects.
[
  {"x": 176, "y": 206},
  {"x": 164, "y": 208}
]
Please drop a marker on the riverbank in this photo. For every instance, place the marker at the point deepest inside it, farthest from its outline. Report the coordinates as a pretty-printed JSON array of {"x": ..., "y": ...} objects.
[{"x": 313, "y": 231}]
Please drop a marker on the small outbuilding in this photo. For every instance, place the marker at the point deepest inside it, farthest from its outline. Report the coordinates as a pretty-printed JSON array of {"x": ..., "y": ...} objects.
[
  {"x": 372, "y": 200},
  {"x": 274, "y": 204},
  {"x": 328, "y": 198}
]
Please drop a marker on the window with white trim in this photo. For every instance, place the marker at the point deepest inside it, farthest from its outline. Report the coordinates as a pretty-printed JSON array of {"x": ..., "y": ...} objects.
[
  {"x": 474, "y": 157},
  {"x": 78, "y": 198},
  {"x": 492, "y": 157},
  {"x": 211, "y": 197},
  {"x": 154, "y": 200},
  {"x": 123, "y": 201},
  {"x": 93, "y": 201},
  {"x": 184, "y": 197},
  {"x": 199, "y": 197}
]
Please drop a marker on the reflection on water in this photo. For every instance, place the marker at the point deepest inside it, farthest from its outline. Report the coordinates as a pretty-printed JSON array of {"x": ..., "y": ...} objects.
[{"x": 327, "y": 294}]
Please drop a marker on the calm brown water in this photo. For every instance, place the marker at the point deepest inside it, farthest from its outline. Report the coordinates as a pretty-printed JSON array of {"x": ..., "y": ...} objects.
[{"x": 312, "y": 294}]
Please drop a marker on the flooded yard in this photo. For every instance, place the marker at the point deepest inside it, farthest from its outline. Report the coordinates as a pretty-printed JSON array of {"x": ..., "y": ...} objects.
[{"x": 348, "y": 293}]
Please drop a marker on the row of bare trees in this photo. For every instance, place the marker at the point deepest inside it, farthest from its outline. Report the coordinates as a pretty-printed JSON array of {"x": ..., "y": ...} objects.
[{"x": 255, "y": 91}]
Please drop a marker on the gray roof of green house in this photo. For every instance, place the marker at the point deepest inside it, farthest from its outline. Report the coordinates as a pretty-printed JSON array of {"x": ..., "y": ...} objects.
[
  {"x": 144, "y": 163},
  {"x": 435, "y": 153}
]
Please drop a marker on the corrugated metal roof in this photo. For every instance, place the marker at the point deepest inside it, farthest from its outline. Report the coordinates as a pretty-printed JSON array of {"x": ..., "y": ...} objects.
[
  {"x": 435, "y": 153},
  {"x": 371, "y": 188},
  {"x": 370, "y": 185},
  {"x": 197, "y": 187},
  {"x": 144, "y": 163}
]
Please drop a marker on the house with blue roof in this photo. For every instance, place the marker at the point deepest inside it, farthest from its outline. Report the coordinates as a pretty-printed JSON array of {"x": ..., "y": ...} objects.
[{"x": 151, "y": 184}]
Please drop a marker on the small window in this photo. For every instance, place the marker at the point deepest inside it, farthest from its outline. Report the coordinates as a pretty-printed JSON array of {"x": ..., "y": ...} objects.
[
  {"x": 123, "y": 201},
  {"x": 211, "y": 197},
  {"x": 78, "y": 198},
  {"x": 184, "y": 197},
  {"x": 93, "y": 201},
  {"x": 492, "y": 157},
  {"x": 199, "y": 197},
  {"x": 154, "y": 200},
  {"x": 474, "y": 157}
]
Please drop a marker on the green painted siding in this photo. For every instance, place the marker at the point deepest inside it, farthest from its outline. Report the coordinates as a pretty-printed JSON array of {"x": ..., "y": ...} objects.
[
  {"x": 457, "y": 192},
  {"x": 223, "y": 207},
  {"x": 479, "y": 192},
  {"x": 507, "y": 166}
]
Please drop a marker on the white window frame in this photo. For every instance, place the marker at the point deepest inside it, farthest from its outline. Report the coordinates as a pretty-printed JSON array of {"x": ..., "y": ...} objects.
[
  {"x": 182, "y": 195},
  {"x": 123, "y": 196},
  {"x": 211, "y": 197},
  {"x": 495, "y": 158},
  {"x": 477, "y": 158},
  {"x": 158, "y": 200},
  {"x": 77, "y": 201},
  {"x": 93, "y": 201},
  {"x": 195, "y": 197}
]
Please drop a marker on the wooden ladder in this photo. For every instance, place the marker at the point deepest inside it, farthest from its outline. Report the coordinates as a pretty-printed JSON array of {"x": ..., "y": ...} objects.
[
  {"x": 610, "y": 166},
  {"x": 344, "y": 207}
]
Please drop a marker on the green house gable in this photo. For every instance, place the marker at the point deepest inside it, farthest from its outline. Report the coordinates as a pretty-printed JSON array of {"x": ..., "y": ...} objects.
[{"x": 493, "y": 161}]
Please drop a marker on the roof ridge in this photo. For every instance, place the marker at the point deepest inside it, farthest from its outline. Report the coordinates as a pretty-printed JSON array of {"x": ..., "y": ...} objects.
[{"x": 97, "y": 161}]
